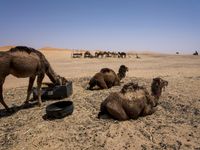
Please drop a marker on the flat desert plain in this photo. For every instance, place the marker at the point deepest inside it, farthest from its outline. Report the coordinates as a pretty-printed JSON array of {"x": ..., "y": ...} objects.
[{"x": 175, "y": 125}]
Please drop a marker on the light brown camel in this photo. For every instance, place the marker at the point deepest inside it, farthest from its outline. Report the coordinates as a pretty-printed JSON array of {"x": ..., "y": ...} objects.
[
  {"x": 107, "y": 78},
  {"x": 133, "y": 101},
  {"x": 23, "y": 62}
]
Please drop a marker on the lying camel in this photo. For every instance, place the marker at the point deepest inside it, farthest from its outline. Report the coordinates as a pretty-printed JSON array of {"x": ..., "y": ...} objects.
[
  {"x": 23, "y": 62},
  {"x": 133, "y": 101},
  {"x": 107, "y": 78}
]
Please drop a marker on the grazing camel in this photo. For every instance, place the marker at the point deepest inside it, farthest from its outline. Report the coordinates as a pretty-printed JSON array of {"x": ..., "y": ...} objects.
[
  {"x": 107, "y": 78},
  {"x": 23, "y": 62},
  {"x": 100, "y": 54},
  {"x": 87, "y": 54},
  {"x": 133, "y": 101},
  {"x": 114, "y": 54},
  {"x": 121, "y": 55}
]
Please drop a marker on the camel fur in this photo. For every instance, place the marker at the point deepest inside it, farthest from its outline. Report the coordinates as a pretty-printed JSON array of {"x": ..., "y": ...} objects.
[
  {"x": 23, "y": 62},
  {"x": 107, "y": 78},
  {"x": 133, "y": 101}
]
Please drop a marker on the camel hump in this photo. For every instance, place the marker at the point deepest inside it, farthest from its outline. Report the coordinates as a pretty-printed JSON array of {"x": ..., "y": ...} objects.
[
  {"x": 28, "y": 50},
  {"x": 131, "y": 86},
  {"x": 104, "y": 70},
  {"x": 22, "y": 49}
]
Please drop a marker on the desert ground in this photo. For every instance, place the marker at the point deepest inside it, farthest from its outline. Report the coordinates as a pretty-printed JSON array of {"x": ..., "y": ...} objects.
[{"x": 175, "y": 125}]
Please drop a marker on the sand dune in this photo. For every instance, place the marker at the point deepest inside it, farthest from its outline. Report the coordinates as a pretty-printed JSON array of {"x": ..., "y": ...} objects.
[{"x": 5, "y": 48}]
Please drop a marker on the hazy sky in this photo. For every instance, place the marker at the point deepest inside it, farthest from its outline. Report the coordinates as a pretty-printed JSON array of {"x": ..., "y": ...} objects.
[{"x": 157, "y": 25}]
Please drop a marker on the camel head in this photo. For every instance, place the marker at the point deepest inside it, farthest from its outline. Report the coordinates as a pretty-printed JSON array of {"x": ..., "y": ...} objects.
[
  {"x": 122, "y": 71},
  {"x": 60, "y": 80},
  {"x": 156, "y": 87}
]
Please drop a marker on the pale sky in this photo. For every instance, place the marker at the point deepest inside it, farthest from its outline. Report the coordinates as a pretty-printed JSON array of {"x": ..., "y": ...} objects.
[{"x": 156, "y": 25}]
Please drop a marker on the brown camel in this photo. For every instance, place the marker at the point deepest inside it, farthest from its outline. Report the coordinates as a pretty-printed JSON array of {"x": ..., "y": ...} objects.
[
  {"x": 195, "y": 53},
  {"x": 133, "y": 101},
  {"x": 23, "y": 62},
  {"x": 107, "y": 78},
  {"x": 87, "y": 54},
  {"x": 100, "y": 54},
  {"x": 121, "y": 55},
  {"x": 114, "y": 54}
]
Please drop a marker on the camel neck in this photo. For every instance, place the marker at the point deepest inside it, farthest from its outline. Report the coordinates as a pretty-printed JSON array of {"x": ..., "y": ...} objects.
[
  {"x": 121, "y": 75},
  {"x": 51, "y": 74}
]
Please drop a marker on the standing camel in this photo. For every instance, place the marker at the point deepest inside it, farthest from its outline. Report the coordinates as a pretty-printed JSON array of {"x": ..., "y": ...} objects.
[{"x": 23, "y": 62}]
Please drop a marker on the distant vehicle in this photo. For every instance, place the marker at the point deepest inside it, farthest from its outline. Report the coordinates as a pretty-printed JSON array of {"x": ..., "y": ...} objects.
[{"x": 77, "y": 55}]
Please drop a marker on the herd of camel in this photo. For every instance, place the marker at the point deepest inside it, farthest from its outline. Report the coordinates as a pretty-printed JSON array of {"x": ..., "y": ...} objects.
[
  {"x": 129, "y": 103},
  {"x": 100, "y": 54}
]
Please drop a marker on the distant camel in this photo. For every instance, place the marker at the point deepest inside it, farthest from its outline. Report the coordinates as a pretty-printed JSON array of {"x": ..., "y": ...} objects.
[
  {"x": 96, "y": 54},
  {"x": 137, "y": 56},
  {"x": 100, "y": 54},
  {"x": 195, "y": 53},
  {"x": 23, "y": 62},
  {"x": 114, "y": 54},
  {"x": 107, "y": 78},
  {"x": 121, "y": 55},
  {"x": 108, "y": 54},
  {"x": 133, "y": 101},
  {"x": 87, "y": 54}
]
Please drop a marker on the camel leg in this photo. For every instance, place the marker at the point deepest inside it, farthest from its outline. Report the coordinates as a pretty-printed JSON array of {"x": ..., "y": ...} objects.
[
  {"x": 30, "y": 86},
  {"x": 115, "y": 110},
  {"x": 102, "y": 84},
  {"x": 148, "y": 110},
  {"x": 39, "y": 83},
  {"x": 103, "y": 109},
  {"x": 1, "y": 95}
]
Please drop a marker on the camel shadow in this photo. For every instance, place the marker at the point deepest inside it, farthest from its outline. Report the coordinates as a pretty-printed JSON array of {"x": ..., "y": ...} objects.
[{"x": 15, "y": 109}]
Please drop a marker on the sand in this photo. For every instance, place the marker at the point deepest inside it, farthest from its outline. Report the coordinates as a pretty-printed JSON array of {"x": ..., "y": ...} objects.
[{"x": 175, "y": 125}]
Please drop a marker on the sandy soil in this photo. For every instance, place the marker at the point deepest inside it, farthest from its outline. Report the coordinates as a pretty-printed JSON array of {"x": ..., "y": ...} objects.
[{"x": 175, "y": 125}]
